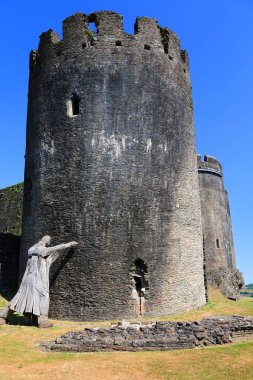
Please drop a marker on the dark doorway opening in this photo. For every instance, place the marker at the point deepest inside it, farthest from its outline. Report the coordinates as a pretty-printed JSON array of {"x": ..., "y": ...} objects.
[{"x": 139, "y": 272}]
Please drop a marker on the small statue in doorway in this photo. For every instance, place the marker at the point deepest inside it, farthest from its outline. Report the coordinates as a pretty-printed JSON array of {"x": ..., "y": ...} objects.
[{"x": 32, "y": 298}]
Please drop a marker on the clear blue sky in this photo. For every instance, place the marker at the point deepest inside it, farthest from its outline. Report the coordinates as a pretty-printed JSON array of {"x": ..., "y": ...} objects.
[{"x": 218, "y": 36}]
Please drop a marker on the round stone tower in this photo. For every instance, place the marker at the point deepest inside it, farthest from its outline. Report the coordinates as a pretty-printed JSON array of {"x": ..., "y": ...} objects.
[
  {"x": 218, "y": 244},
  {"x": 110, "y": 163}
]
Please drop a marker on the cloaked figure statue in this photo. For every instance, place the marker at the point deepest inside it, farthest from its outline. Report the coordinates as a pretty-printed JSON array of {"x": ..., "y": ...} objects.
[{"x": 32, "y": 298}]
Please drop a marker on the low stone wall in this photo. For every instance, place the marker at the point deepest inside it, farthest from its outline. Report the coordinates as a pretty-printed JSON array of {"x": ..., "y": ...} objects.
[{"x": 158, "y": 336}]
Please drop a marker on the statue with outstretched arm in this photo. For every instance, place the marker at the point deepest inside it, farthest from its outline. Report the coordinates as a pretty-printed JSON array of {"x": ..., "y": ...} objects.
[{"x": 32, "y": 298}]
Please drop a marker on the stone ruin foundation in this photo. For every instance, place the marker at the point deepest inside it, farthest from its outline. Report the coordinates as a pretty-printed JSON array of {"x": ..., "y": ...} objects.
[{"x": 157, "y": 336}]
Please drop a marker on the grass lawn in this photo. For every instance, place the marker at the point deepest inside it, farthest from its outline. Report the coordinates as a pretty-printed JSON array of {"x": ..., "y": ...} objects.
[{"x": 20, "y": 357}]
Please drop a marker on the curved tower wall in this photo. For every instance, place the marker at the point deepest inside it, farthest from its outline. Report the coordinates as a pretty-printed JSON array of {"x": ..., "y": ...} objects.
[
  {"x": 219, "y": 250},
  {"x": 120, "y": 177}
]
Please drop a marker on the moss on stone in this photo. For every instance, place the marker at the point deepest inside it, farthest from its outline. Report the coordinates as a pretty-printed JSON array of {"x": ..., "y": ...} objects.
[{"x": 11, "y": 201}]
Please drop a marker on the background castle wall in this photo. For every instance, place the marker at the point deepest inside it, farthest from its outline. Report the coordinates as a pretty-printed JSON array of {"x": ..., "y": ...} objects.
[
  {"x": 120, "y": 178},
  {"x": 11, "y": 204},
  {"x": 9, "y": 264},
  {"x": 11, "y": 207},
  {"x": 217, "y": 230}
]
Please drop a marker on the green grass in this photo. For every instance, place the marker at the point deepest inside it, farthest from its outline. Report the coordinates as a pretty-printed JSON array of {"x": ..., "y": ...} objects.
[
  {"x": 217, "y": 305},
  {"x": 21, "y": 358}
]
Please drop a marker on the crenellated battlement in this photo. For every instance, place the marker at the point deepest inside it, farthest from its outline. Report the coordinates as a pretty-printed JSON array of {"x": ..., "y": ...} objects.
[
  {"x": 74, "y": 30},
  {"x": 209, "y": 164},
  {"x": 48, "y": 41},
  {"x": 107, "y": 22},
  {"x": 147, "y": 30},
  {"x": 79, "y": 37}
]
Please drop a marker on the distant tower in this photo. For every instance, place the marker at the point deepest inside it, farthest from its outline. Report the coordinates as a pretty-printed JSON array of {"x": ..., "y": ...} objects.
[
  {"x": 217, "y": 230},
  {"x": 110, "y": 163}
]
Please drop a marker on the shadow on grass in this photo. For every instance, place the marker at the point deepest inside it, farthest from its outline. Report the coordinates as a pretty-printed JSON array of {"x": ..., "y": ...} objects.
[
  {"x": 21, "y": 320},
  {"x": 15, "y": 319}
]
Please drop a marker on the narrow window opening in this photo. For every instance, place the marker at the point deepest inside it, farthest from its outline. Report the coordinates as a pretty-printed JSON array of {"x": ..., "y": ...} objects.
[
  {"x": 217, "y": 243},
  {"x": 92, "y": 28},
  {"x": 84, "y": 45},
  {"x": 166, "y": 48},
  {"x": 147, "y": 47},
  {"x": 58, "y": 53},
  {"x": 139, "y": 274},
  {"x": 73, "y": 105},
  {"x": 118, "y": 43},
  {"x": 92, "y": 32},
  {"x": 184, "y": 71},
  {"x": 170, "y": 57}
]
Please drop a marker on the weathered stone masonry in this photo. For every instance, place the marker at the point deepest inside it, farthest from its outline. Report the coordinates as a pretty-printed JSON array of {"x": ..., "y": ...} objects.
[
  {"x": 111, "y": 163},
  {"x": 217, "y": 230},
  {"x": 11, "y": 204},
  {"x": 158, "y": 336},
  {"x": 11, "y": 207}
]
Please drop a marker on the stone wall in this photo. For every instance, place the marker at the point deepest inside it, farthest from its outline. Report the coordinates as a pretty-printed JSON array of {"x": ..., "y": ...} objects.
[
  {"x": 218, "y": 243},
  {"x": 159, "y": 336},
  {"x": 110, "y": 163},
  {"x": 11, "y": 203},
  {"x": 9, "y": 264}
]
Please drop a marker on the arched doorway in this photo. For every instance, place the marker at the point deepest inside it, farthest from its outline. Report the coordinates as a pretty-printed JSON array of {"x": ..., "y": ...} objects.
[{"x": 139, "y": 276}]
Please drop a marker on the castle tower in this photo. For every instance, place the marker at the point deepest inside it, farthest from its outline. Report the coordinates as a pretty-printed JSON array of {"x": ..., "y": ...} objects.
[
  {"x": 110, "y": 163},
  {"x": 217, "y": 229}
]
